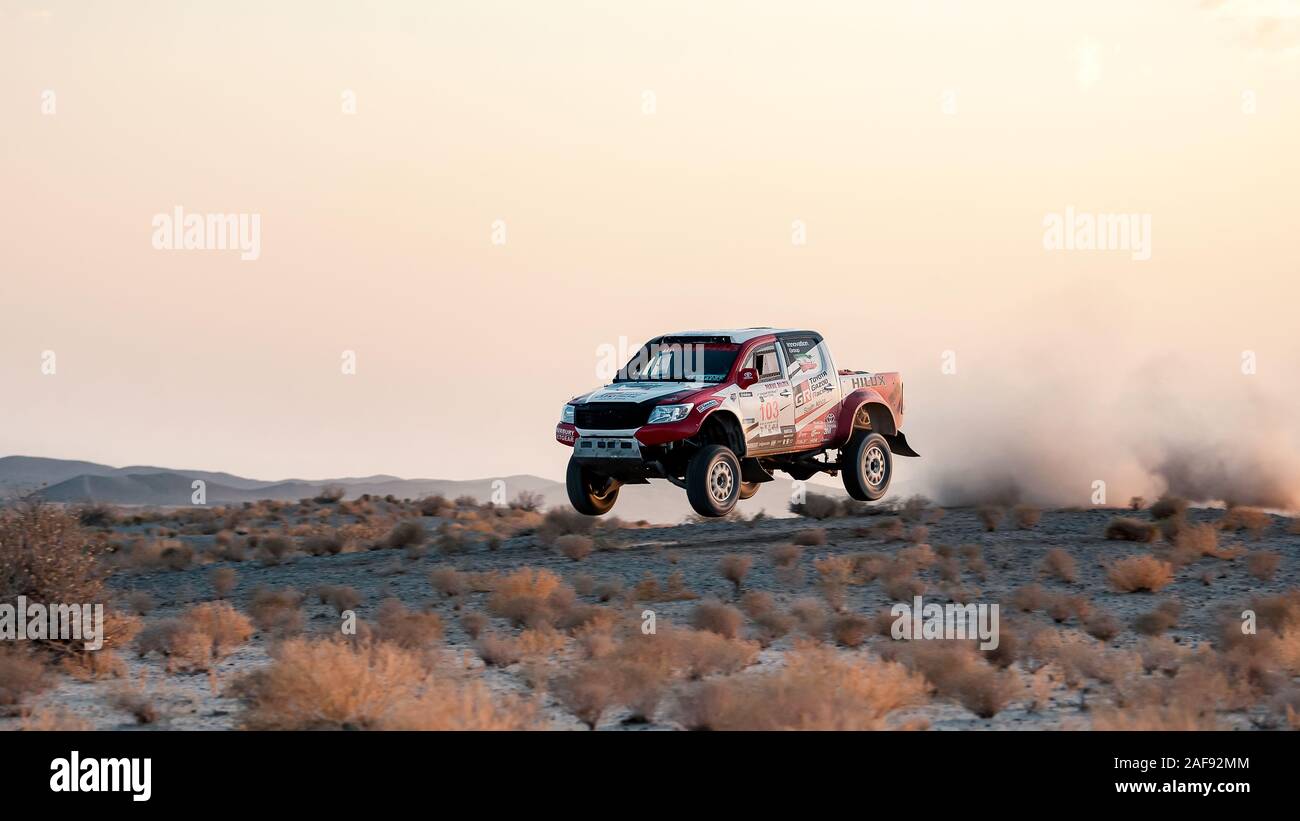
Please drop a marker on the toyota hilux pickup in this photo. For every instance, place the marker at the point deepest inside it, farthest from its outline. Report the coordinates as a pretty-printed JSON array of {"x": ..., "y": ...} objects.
[{"x": 717, "y": 412}]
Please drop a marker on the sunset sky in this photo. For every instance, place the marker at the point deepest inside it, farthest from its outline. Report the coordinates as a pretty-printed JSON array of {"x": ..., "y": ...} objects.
[{"x": 651, "y": 164}]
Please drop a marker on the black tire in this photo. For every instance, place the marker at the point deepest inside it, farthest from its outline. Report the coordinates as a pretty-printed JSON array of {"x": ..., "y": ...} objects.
[
  {"x": 748, "y": 489},
  {"x": 867, "y": 466},
  {"x": 713, "y": 481},
  {"x": 590, "y": 493}
]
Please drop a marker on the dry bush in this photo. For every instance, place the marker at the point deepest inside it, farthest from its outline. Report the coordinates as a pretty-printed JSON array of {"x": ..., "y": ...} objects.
[
  {"x": 138, "y": 702},
  {"x": 818, "y": 689},
  {"x": 1132, "y": 574},
  {"x": 330, "y": 684},
  {"x": 1161, "y": 618},
  {"x": 1191, "y": 542},
  {"x": 21, "y": 675},
  {"x": 1060, "y": 607},
  {"x": 733, "y": 567},
  {"x": 851, "y": 629},
  {"x": 560, "y": 521},
  {"x": 497, "y": 650},
  {"x": 531, "y": 597},
  {"x": 757, "y": 602},
  {"x": 408, "y": 629},
  {"x": 673, "y": 589},
  {"x": 47, "y": 557},
  {"x": 1167, "y": 507},
  {"x": 1030, "y": 597},
  {"x": 834, "y": 573},
  {"x": 716, "y": 617},
  {"x": 473, "y": 623},
  {"x": 448, "y": 581},
  {"x": 198, "y": 638},
  {"x": 53, "y": 719},
  {"x": 1136, "y": 503},
  {"x": 1025, "y": 517},
  {"x": 339, "y": 596},
  {"x": 140, "y": 602},
  {"x": 589, "y": 691},
  {"x": 324, "y": 542},
  {"x": 1262, "y": 564},
  {"x": 898, "y": 582},
  {"x": 1059, "y": 564},
  {"x": 609, "y": 588},
  {"x": 818, "y": 506},
  {"x": 272, "y": 550},
  {"x": 786, "y": 555},
  {"x": 1250, "y": 519},
  {"x": 223, "y": 581},
  {"x": 1102, "y": 625},
  {"x": 407, "y": 533},
  {"x": 918, "y": 555},
  {"x": 990, "y": 516},
  {"x": 811, "y": 537},
  {"x": 574, "y": 546},
  {"x": 810, "y": 617},
  {"x": 1131, "y": 530},
  {"x": 277, "y": 612},
  {"x": 584, "y": 583},
  {"x": 956, "y": 670}
]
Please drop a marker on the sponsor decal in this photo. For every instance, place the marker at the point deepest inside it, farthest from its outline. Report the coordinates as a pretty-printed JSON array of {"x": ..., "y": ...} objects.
[{"x": 711, "y": 404}]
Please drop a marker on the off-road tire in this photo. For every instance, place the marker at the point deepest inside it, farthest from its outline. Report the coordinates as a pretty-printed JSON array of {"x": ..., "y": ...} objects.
[
  {"x": 586, "y": 493},
  {"x": 713, "y": 481},
  {"x": 867, "y": 466}
]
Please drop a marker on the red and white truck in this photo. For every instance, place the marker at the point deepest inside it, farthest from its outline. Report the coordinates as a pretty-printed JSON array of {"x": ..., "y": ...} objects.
[{"x": 716, "y": 412}]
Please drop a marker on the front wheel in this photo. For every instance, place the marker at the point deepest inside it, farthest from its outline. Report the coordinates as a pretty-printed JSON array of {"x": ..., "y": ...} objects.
[
  {"x": 713, "y": 481},
  {"x": 590, "y": 493},
  {"x": 867, "y": 466}
]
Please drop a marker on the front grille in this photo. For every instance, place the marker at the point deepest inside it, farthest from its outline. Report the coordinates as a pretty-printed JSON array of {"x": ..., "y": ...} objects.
[{"x": 610, "y": 415}]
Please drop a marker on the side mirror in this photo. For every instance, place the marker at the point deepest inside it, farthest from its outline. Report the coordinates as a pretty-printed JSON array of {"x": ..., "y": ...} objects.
[{"x": 748, "y": 376}]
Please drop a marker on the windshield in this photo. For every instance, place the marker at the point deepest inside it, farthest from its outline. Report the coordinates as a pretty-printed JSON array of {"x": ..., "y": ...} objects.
[{"x": 681, "y": 359}]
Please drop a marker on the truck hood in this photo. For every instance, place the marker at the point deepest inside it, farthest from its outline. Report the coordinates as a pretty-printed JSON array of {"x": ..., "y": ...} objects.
[{"x": 642, "y": 391}]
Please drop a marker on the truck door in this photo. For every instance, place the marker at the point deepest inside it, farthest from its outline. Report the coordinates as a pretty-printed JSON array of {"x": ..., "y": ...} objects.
[
  {"x": 767, "y": 407},
  {"x": 815, "y": 387}
]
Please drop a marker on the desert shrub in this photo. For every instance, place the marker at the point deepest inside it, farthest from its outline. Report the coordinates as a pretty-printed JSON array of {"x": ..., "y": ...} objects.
[
  {"x": 588, "y": 692},
  {"x": 733, "y": 567},
  {"x": 53, "y": 719},
  {"x": 21, "y": 675},
  {"x": 329, "y": 495},
  {"x": 324, "y": 542},
  {"x": 272, "y": 550},
  {"x": 139, "y": 703},
  {"x": 818, "y": 689},
  {"x": 851, "y": 629},
  {"x": 809, "y": 616},
  {"x": 407, "y": 533},
  {"x": 1168, "y": 506},
  {"x": 473, "y": 623},
  {"x": 1102, "y": 625},
  {"x": 1126, "y": 529},
  {"x": 786, "y": 555},
  {"x": 1059, "y": 564},
  {"x": 1158, "y": 620},
  {"x": 1262, "y": 564},
  {"x": 1250, "y": 519},
  {"x": 140, "y": 602},
  {"x": 339, "y": 596},
  {"x": 1191, "y": 542},
  {"x": 47, "y": 557},
  {"x": 757, "y": 602},
  {"x": 448, "y": 581},
  {"x": 531, "y": 597},
  {"x": 1136, "y": 503},
  {"x": 278, "y": 612},
  {"x": 197, "y": 638},
  {"x": 574, "y": 546},
  {"x": 1139, "y": 573},
  {"x": 990, "y": 516},
  {"x": 1025, "y": 517},
  {"x": 717, "y": 617},
  {"x": 817, "y": 506},
  {"x": 527, "y": 500},
  {"x": 1030, "y": 597},
  {"x": 561, "y": 521},
  {"x": 223, "y": 581},
  {"x": 407, "y": 628},
  {"x": 96, "y": 515},
  {"x": 811, "y": 537}
]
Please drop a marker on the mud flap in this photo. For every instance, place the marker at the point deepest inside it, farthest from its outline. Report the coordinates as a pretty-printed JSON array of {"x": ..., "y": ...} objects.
[{"x": 898, "y": 444}]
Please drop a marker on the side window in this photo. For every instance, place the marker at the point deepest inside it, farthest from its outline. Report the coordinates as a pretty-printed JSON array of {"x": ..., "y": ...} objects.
[
  {"x": 765, "y": 363},
  {"x": 803, "y": 357}
]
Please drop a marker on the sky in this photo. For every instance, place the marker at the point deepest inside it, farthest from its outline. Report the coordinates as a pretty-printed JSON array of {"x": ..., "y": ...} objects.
[{"x": 468, "y": 200}]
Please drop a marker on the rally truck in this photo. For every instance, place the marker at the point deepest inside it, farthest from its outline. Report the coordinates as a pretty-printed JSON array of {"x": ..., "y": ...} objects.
[{"x": 718, "y": 412}]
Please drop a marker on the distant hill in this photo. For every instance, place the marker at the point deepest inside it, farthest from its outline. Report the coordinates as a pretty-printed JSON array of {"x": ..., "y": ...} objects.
[{"x": 75, "y": 482}]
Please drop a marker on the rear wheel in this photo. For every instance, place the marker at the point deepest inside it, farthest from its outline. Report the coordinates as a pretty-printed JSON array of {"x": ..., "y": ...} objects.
[
  {"x": 589, "y": 492},
  {"x": 713, "y": 481},
  {"x": 748, "y": 489},
  {"x": 867, "y": 466}
]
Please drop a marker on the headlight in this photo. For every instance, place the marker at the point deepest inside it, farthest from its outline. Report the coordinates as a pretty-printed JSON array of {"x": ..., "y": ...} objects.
[
  {"x": 669, "y": 413},
  {"x": 566, "y": 415}
]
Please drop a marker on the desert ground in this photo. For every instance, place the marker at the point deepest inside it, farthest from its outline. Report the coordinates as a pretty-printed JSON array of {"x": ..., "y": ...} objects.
[{"x": 381, "y": 613}]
